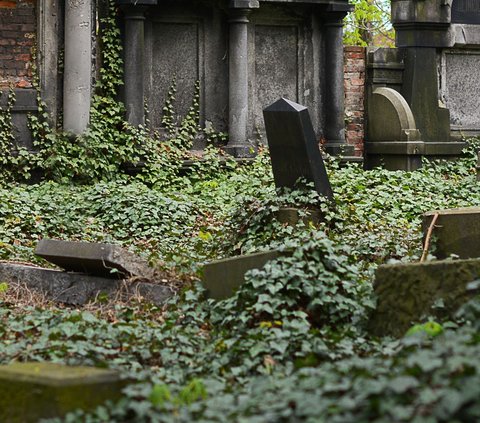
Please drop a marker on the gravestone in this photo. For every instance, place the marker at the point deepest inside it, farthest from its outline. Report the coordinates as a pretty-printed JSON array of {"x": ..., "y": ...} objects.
[
  {"x": 393, "y": 138},
  {"x": 33, "y": 391},
  {"x": 98, "y": 259},
  {"x": 294, "y": 148},
  {"x": 409, "y": 292},
  {"x": 456, "y": 231},
  {"x": 222, "y": 277}
]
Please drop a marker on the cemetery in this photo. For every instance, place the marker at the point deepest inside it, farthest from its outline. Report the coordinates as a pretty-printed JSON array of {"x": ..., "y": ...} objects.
[{"x": 214, "y": 211}]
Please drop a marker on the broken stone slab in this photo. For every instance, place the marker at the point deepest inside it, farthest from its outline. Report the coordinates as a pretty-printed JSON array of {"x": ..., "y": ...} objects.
[
  {"x": 33, "y": 391},
  {"x": 78, "y": 288},
  {"x": 456, "y": 231},
  {"x": 98, "y": 259},
  {"x": 222, "y": 278},
  {"x": 408, "y": 292}
]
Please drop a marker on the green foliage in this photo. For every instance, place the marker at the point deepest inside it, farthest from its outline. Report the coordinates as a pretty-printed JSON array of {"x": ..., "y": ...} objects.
[
  {"x": 14, "y": 160},
  {"x": 369, "y": 24},
  {"x": 291, "y": 344}
]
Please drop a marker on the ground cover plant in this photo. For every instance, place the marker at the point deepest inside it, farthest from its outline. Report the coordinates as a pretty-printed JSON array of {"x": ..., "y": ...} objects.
[{"x": 291, "y": 345}]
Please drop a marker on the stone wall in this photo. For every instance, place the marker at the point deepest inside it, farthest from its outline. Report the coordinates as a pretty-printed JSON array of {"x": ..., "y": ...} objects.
[
  {"x": 17, "y": 36},
  {"x": 354, "y": 83}
]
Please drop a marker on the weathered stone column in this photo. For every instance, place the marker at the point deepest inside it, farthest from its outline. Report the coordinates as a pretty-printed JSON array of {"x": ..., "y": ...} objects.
[
  {"x": 238, "y": 145},
  {"x": 334, "y": 90},
  {"x": 78, "y": 65},
  {"x": 134, "y": 49}
]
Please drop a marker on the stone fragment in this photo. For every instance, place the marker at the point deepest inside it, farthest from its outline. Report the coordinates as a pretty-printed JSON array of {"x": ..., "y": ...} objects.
[
  {"x": 292, "y": 215},
  {"x": 33, "y": 391},
  {"x": 97, "y": 259},
  {"x": 294, "y": 148},
  {"x": 407, "y": 293},
  {"x": 456, "y": 231},
  {"x": 78, "y": 288},
  {"x": 222, "y": 277}
]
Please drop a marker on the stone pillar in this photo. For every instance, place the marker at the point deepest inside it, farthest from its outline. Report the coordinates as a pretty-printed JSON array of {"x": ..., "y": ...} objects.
[
  {"x": 238, "y": 145},
  {"x": 334, "y": 103},
  {"x": 134, "y": 50},
  {"x": 78, "y": 65}
]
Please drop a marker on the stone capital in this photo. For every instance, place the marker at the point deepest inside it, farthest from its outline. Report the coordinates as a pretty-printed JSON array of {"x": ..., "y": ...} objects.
[{"x": 244, "y": 4}]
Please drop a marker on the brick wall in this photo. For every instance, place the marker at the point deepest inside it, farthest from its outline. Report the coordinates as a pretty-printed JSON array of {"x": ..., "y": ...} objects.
[
  {"x": 17, "y": 36},
  {"x": 354, "y": 83}
]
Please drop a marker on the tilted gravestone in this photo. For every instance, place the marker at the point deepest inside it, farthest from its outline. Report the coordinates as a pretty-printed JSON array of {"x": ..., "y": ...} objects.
[
  {"x": 98, "y": 259},
  {"x": 294, "y": 148}
]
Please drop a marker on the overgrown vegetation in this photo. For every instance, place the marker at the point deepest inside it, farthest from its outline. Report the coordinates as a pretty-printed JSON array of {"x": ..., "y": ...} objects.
[{"x": 291, "y": 344}]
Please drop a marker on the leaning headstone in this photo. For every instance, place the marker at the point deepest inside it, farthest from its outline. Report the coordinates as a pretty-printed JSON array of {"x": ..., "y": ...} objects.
[
  {"x": 455, "y": 231},
  {"x": 78, "y": 289},
  {"x": 294, "y": 148},
  {"x": 106, "y": 260},
  {"x": 33, "y": 391},
  {"x": 407, "y": 293},
  {"x": 222, "y": 278}
]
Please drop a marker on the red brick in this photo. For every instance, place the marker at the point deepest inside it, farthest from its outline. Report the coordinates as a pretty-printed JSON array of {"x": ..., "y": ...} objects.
[{"x": 6, "y": 4}]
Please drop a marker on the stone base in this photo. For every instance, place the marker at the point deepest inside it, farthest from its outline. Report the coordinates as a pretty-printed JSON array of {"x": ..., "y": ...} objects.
[
  {"x": 339, "y": 149},
  {"x": 33, "y": 391},
  {"x": 407, "y": 293},
  {"x": 394, "y": 155},
  {"x": 240, "y": 151},
  {"x": 77, "y": 288},
  {"x": 222, "y": 277},
  {"x": 291, "y": 216}
]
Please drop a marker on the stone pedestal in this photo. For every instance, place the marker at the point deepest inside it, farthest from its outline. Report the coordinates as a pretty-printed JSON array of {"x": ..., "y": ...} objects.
[
  {"x": 238, "y": 144},
  {"x": 334, "y": 91},
  {"x": 77, "y": 89}
]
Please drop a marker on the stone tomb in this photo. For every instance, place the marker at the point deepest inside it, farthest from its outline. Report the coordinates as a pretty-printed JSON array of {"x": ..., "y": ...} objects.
[
  {"x": 294, "y": 148},
  {"x": 33, "y": 391},
  {"x": 244, "y": 54}
]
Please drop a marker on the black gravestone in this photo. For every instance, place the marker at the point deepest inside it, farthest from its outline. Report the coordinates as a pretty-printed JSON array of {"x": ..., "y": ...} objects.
[
  {"x": 466, "y": 11},
  {"x": 293, "y": 147}
]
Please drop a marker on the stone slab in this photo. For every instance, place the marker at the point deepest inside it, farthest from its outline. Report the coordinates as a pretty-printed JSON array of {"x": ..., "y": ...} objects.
[
  {"x": 33, "y": 391},
  {"x": 456, "y": 231},
  {"x": 222, "y": 277},
  {"x": 294, "y": 148},
  {"x": 78, "y": 288},
  {"x": 106, "y": 260},
  {"x": 408, "y": 293},
  {"x": 460, "y": 79}
]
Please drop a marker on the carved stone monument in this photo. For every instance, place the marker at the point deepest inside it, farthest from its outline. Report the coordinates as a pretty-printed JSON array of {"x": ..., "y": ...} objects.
[
  {"x": 294, "y": 147},
  {"x": 232, "y": 48},
  {"x": 435, "y": 69}
]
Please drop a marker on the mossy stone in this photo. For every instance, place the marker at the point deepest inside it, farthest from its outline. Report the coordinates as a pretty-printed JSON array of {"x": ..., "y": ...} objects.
[{"x": 32, "y": 391}]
